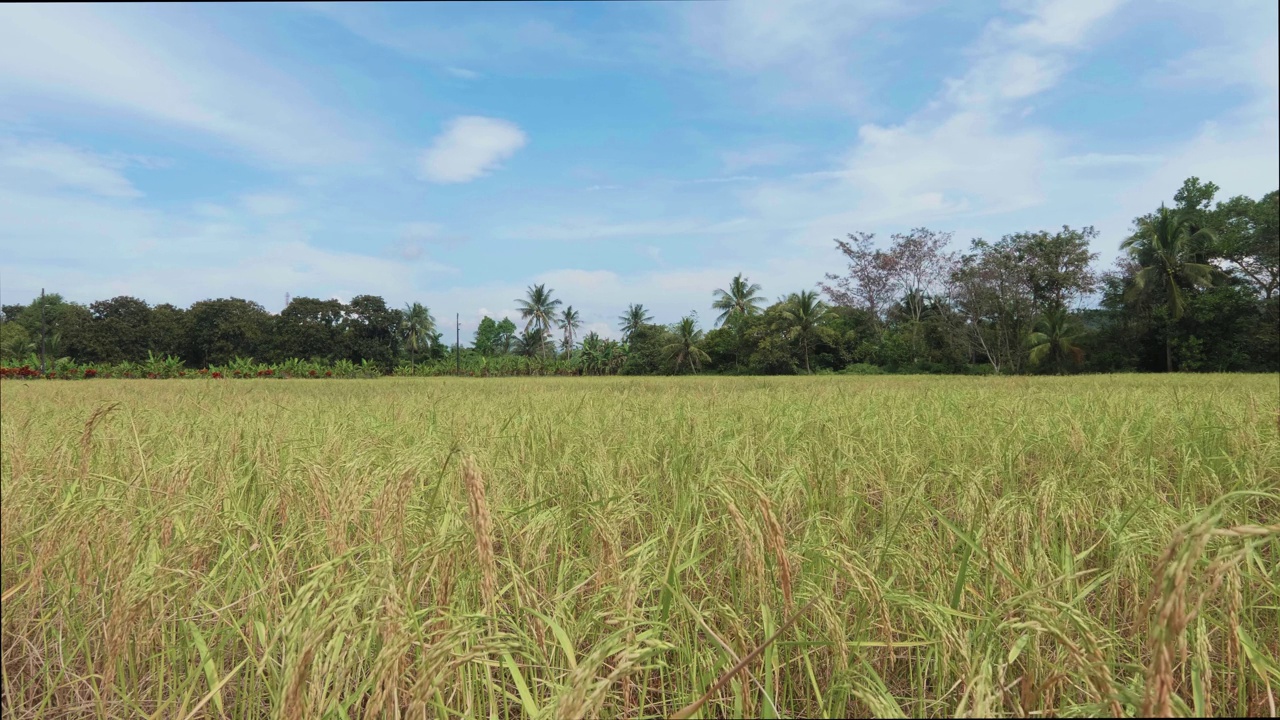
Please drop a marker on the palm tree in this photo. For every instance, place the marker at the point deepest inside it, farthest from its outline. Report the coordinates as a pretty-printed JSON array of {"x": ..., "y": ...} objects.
[
  {"x": 589, "y": 357},
  {"x": 740, "y": 300},
  {"x": 805, "y": 313},
  {"x": 533, "y": 341},
  {"x": 1052, "y": 338},
  {"x": 684, "y": 349},
  {"x": 538, "y": 309},
  {"x": 418, "y": 327},
  {"x": 570, "y": 321},
  {"x": 1164, "y": 246},
  {"x": 633, "y": 318}
]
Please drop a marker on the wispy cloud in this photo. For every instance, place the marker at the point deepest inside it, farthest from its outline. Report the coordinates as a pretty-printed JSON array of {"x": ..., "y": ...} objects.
[
  {"x": 469, "y": 148},
  {"x": 796, "y": 51},
  {"x": 122, "y": 61},
  {"x": 270, "y": 204},
  {"x": 1106, "y": 160},
  {"x": 440, "y": 34},
  {"x": 462, "y": 73},
  {"x": 766, "y": 155},
  {"x": 61, "y": 166},
  {"x": 574, "y": 230}
]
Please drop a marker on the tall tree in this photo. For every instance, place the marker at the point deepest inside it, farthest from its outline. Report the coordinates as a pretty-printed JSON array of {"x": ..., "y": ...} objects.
[
  {"x": 309, "y": 328},
  {"x": 1164, "y": 245},
  {"x": 538, "y": 308},
  {"x": 486, "y": 335},
  {"x": 632, "y": 319},
  {"x": 683, "y": 348},
  {"x": 1054, "y": 339},
  {"x": 168, "y": 329},
  {"x": 1059, "y": 266},
  {"x": 570, "y": 321},
  {"x": 805, "y": 313},
  {"x": 372, "y": 331},
  {"x": 532, "y": 342},
  {"x": 504, "y": 340},
  {"x": 914, "y": 269},
  {"x": 869, "y": 280},
  {"x": 221, "y": 329},
  {"x": 1249, "y": 239},
  {"x": 418, "y": 327},
  {"x": 742, "y": 299},
  {"x": 994, "y": 302},
  {"x": 120, "y": 329}
]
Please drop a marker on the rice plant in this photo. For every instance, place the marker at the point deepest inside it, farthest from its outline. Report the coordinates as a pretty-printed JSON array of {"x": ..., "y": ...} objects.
[{"x": 624, "y": 547}]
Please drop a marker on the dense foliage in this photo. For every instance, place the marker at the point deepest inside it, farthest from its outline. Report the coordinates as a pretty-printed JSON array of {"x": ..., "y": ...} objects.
[{"x": 1197, "y": 288}]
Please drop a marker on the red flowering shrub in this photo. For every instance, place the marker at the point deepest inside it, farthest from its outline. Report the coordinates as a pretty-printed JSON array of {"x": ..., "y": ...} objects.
[
  {"x": 328, "y": 373},
  {"x": 217, "y": 375},
  {"x": 312, "y": 373},
  {"x": 90, "y": 373}
]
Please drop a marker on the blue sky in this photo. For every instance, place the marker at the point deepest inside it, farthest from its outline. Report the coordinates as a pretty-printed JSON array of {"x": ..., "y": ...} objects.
[{"x": 620, "y": 152}]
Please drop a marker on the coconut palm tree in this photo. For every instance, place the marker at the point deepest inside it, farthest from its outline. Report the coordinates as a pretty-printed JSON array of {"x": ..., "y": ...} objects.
[
  {"x": 805, "y": 313},
  {"x": 532, "y": 342},
  {"x": 632, "y": 319},
  {"x": 684, "y": 349},
  {"x": 570, "y": 320},
  {"x": 589, "y": 356},
  {"x": 1053, "y": 338},
  {"x": 538, "y": 309},
  {"x": 740, "y": 300},
  {"x": 1165, "y": 245},
  {"x": 418, "y": 327}
]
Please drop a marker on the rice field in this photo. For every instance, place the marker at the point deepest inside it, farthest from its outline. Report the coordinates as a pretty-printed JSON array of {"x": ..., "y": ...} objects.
[{"x": 614, "y": 547}]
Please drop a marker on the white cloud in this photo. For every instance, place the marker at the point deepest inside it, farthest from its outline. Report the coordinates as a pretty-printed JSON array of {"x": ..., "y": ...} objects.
[
  {"x": 434, "y": 34},
  {"x": 966, "y": 162},
  {"x": 129, "y": 60},
  {"x": 1108, "y": 160},
  {"x": 469, "y": 148},
  {"x": 420, "y": 231},
  {"x": 718, "y": 180},
  {"x": 760, "y": 156},
  {"x": 1017, "y": 61},
  {"x": 582, "y": 229},
  {"x": 967, "y": 153},
  {"x": 60, "y": 166},
  {"x": 1064, "y": 22},
  {"x": 462, "y": 73},
  {"x": 90, "y": 249},
  {"x": 795, "y": 51},
  {"x": 1239, "y": 46},
  {"x": 269, "y": 204}
]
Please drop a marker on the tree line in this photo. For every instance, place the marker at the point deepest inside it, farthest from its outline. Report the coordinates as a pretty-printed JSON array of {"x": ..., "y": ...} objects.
[{"x": 1196, "y": 288}]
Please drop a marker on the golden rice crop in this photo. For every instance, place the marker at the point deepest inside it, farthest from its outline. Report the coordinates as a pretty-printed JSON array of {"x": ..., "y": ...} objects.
[{"x": 595, "y": 547}]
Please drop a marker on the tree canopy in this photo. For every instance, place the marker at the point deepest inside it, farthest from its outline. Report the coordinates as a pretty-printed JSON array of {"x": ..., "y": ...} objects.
[{"x": 1196, "y": 288}]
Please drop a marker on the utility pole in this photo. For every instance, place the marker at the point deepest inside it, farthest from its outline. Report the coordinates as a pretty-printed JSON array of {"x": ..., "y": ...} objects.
[
  {"x": 457, "y": 340},
  {"x": 42, "y": 331}
]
